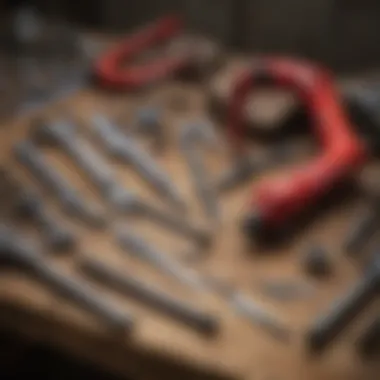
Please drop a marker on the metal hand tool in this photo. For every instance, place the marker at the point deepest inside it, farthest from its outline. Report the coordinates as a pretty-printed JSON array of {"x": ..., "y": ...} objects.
[
  {"x": 135, "y": 245},
  {"x": 245, "y": 306},
  {"x": 16, "y": 251},
  {"x": 100, "y": 173},
  {"x": 242, "y": 170},
  {"x": 127, "y": 150},
  {"x": 192, "y": 135},
  {"x": 329, "y": 327},
  {"x": 151, "y": 295},
  {"x": 277, "y": 201},
  {"x": 362, "y": 230},
  {"x": 29, "y": 203},
  {"x": 369, "y": 343},
  {"x": 72, "y": 203},
  {"x": 149, "y": 124},
  {"x": 110, "y": 69}
]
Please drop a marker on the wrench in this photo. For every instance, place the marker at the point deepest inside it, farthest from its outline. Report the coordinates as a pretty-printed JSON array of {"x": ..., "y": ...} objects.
[
  {"x": 127, "y": 150},
  {"x": 101, "y": 174},
  {"x": 192, "y": 134},
  {"x": 329, "y": 327},
  {"x": 16, "y": 251},
  {"x": 71, "y": 202},
  {"x": 29, "y": 203},
  {"x": 135, "y": 245},
  {"x": 148, "y": 294}
]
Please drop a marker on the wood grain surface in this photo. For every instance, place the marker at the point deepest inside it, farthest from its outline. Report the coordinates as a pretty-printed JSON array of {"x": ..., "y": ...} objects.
[{"x": 159, "y": 345}]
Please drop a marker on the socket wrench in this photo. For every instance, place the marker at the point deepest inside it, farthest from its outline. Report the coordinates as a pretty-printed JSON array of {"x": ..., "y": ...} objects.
[
  {"x": 71, "y": 202},
  {"x": 18, "y": 252}
]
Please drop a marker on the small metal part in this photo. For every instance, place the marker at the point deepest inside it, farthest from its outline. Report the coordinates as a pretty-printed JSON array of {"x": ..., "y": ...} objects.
[
  {"x": 191, "y": 136},
  {"x": 71, "y": 202},
  {"x": 149, "y": 124},
  {"x": 151, "y": 295},
  {"x": 127, "y": 150},
  {"x": 17, "y": 252},
  {"x": 101, "y": 174},
  {"x": 247, "y": 307},
  {"x": 29, "y": 203},
  {"x": 362, "y": 230},
  {"x": 316, "y": 262},
  {"x": 369, "y": 343},
  {"x": 242, "y": 171},
  {"x": 287, "y": 290},
  {"x": 327, "y": 328},
  {"x": 135, "y": 245}
]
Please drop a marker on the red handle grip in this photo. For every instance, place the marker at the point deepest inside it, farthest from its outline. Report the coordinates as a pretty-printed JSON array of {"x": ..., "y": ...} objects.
[
  {"x": 110, "y": 69},
  {"x": 278, "y": 200}
]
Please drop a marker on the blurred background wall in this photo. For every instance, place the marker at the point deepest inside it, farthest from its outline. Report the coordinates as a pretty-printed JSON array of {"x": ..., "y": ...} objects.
[{"x": 343, "y": 33}]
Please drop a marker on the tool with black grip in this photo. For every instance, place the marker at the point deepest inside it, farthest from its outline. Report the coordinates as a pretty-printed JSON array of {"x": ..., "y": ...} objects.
[
  {"x": 97, "y": 169},
  {"x": 19, "y": 253},
  {"x": 70, "y": 200},
  {"x": 326, "y": 329},
  {"x": 29, "y": 203},
  {"x": 131, "y": 285},
  {"x": 127, "y": 150},
  {"x": 278, "y": 201}
]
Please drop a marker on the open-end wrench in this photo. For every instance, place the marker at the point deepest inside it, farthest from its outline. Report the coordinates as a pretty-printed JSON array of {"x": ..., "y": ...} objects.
[
  {"x": 72, "y": 203},
  {"x": 18, "y": 252},
  {"x": 29, "y": 203},
  {"x": 135, "y": 245},
  {"x": 101, "y": 174},
  {"x": 191, "y": 136},
  {"x": 329, "y": 327},
  {"x": 149, "y": 294},
  {"x": 127, "y": 150}
]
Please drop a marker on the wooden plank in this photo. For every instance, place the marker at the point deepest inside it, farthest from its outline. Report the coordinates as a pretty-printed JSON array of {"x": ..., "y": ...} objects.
[{"x": 241, "y": 351}]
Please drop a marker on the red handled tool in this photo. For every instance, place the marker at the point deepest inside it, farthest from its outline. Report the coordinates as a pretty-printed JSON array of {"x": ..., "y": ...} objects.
[
  {"x": 277, "y": 201},
  {"x": 112, "y": 71}
]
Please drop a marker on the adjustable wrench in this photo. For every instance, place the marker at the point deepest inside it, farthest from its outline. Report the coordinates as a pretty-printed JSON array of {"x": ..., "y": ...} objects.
[
  {"x": 190, "y": 136},
  {"x": 101, "y": 174},
  {"x": 29, "y": 203},
  {"x": 127, "y": 150},
  {"x": 135, "y": 245},
  {"x": 16, "y": 251},
  {"x": 150, "y": 295},
  {"x": 33, "y": 160}
]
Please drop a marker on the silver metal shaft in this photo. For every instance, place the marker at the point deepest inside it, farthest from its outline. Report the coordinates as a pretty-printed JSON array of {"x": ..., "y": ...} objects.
[
  {"x": 127, "y": 150},
  {"x": 71, "y": 201},
  {"x": 17, "y": 251},
  {"x": 102, "y": 175},
  {"x": 192, "y": 137},
  {"x": 135, "y": 245}
]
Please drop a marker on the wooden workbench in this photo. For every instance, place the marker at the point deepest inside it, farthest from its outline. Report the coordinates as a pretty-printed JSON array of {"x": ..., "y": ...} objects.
[{"x": 158, "y": 345}]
